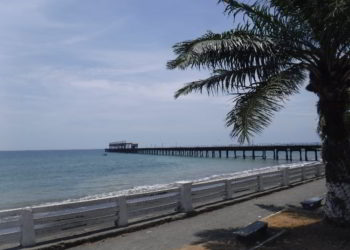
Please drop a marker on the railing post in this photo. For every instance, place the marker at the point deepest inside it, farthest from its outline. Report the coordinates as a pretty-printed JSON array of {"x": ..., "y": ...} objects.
[
  {"x": 285, "y": 177},
  {"x": 260, "y": 183},
  {"x": 185, "y": 196},
  {"x": 318, "y": 170},
  {"x": 228, "y": 189},
  {"x": 27, "y": 228},
  {"x": 303, "y": 174},
  {"x": 122, "y": 212}
]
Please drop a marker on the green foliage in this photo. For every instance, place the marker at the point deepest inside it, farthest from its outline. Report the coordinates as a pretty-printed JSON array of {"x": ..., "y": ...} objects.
[
  {"x": 263, "y": 59},
  {"x": 252, "y": 111}
]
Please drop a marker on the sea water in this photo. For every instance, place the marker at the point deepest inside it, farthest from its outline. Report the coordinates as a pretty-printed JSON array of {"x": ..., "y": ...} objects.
[{"x": 38, "y": 177}]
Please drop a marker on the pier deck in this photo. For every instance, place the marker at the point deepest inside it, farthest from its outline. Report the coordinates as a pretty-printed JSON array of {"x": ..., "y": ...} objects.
[{"x": 303, "y": 151}]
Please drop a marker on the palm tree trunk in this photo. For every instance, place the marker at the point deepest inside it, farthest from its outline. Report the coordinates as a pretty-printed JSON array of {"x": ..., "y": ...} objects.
[{"x": 336, "y": 155}]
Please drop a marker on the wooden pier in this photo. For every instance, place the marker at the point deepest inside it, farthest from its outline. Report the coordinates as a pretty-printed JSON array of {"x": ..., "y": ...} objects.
[{"x": 286, "y": 152}]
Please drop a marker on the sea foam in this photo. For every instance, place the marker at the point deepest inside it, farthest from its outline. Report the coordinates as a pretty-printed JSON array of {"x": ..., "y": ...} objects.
[{"x": 160, "y": 187}]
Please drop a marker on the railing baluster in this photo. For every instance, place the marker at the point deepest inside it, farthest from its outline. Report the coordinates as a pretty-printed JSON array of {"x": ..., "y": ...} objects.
[
  {"x": 228, "y": 189},
  {"x": 260, "y": 183},
  {"x": 27, "y": 228},
  {"x": 185, "y": 197},
  {"x": 285, "y": 176},
  {"x": 122, "y": 212}
]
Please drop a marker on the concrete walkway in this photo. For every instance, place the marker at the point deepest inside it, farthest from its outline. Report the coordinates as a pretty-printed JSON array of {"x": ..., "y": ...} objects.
[{"x": 210, "y": 225}]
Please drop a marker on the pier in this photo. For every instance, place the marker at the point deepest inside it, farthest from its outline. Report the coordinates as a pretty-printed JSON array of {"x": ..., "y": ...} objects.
[{"x": 302, "y": 152}]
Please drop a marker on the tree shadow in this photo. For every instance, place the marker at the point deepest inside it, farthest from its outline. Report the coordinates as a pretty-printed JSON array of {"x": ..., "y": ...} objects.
[
  {"x": 318, "y": 235},
  {"x": 271, "y": 208},
  {"x": 217, "y": 239},
  {"x": 220, "y": 239},
  {"x": 314, "y": 236}
]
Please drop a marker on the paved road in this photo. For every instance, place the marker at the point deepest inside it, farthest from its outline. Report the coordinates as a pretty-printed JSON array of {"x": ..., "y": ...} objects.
[{"x": 175, "y": 235}]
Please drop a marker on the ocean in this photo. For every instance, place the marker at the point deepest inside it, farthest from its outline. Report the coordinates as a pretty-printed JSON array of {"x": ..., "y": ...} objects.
[{"x": 39, "y": 177}]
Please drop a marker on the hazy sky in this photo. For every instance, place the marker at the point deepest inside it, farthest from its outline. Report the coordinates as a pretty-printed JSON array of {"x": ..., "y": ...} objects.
[{"x": 82, "y": 73}]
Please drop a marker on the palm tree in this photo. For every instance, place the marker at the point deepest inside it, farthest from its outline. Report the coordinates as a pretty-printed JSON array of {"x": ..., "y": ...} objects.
[{"x": 266, "y": 58}]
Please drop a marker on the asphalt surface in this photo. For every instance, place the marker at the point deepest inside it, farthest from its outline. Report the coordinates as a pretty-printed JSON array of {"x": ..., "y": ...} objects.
[{"x": 207, "y": 226}]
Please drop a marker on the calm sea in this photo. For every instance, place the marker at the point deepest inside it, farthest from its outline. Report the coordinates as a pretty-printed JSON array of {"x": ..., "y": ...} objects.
[{"x": 36, "y": 177}]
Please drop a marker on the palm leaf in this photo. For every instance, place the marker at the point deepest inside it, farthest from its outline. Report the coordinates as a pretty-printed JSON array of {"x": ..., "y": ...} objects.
[
  {"x": 254, "y": 110},
  {"x": 262, "y": 60},
  {"x": 240, "y": 48},
  {"x": 230, "y": 81}
]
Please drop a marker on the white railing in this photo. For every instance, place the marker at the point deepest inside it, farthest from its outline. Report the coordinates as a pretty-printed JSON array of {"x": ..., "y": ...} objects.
[{"x": 28, "y": 226}]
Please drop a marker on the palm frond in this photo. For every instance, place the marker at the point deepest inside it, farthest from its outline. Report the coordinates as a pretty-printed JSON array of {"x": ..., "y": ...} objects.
[
  {"x": 253, "y": 111},
  {"x": 260, "y": 14},
  {"x": 263, "y": 58},
  {"x": 278, "y": 20},
  {"x": 237, "y": 48},
  {"x": 231, "y": 81}
]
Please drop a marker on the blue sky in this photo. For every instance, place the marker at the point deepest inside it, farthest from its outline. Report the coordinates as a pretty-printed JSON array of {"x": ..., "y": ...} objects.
[{"x": 82, "y": 73}]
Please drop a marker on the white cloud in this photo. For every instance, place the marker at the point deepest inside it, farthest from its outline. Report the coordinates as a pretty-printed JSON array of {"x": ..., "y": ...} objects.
[{"x": 79, "y": 82}]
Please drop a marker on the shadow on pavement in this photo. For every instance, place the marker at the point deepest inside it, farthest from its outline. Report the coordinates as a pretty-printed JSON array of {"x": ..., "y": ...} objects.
[
  {"x": 271, "y": 208},
  {"x": 220, "y": 239}
]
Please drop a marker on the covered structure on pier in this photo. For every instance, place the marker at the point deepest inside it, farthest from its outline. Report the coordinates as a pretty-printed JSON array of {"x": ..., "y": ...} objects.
[{"x": 120, "y": 145}]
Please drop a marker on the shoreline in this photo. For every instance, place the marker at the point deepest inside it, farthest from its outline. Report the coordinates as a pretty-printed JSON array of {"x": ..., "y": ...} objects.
[
  {"x": 143, "y": 189},
  {"x": 41, "y": 224}
]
